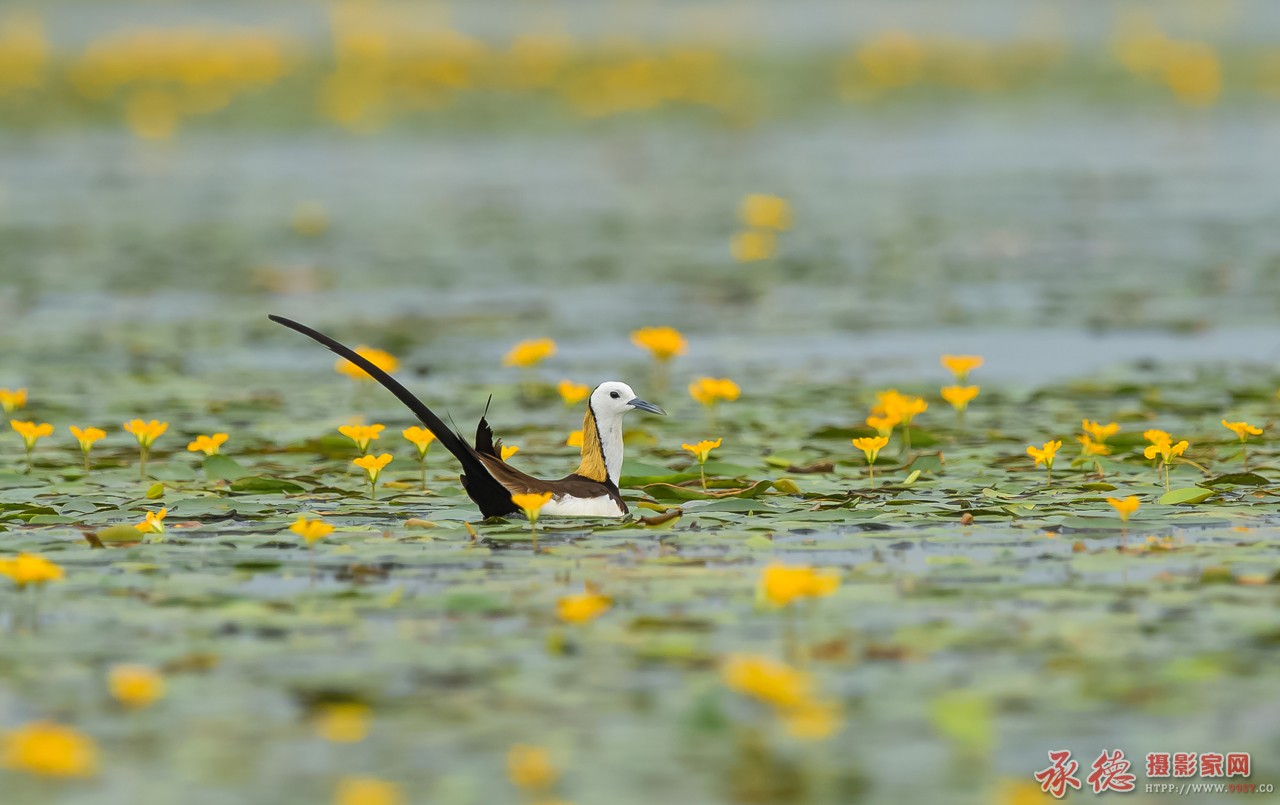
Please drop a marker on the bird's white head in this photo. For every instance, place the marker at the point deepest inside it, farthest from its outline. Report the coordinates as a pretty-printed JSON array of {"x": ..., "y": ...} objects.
[
  {"x": 613, "y": 398},
  {"x": 602, "y": 429}
]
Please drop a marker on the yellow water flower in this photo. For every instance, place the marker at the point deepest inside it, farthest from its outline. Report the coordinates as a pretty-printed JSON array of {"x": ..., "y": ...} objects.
[
  {"x": 1088, "y": 447},
  {"x": 888, "y": 60},
  {"x": 380, "y": 358},
  {"x": 892, "y": 404},
  {"x": 1125, "y": 506},
  {"x": 373, "y": 466},
  {"x": 12, "y": 399},
  {"x": 1044, "y": 455},
  {"x": 362, "y": 435},
  {"x": 154, "y": 524},
  {"x": 764, "y": 211},
  {"x": 31, "y": 433},
  {"x": 961, "y": 365},
  {"x": 710, "y": 391},
  {"x": 342, "y": 722},
  {"x": 812, "y": 720},
  {"x": 531, "y": 503},
  {"x": 574, "y": 440},
  {"x": 30, "y": 568},
  {"x": 782, "y": 584},
  {"x": 871, "y": 447},
  {"x": 509, "y": 450},
  {"x": 663, "y": 343},
  {"x": 701, "y": 451},
  {"x": 420, "y": 438},
  {"x": 883, "y": 424},
  {"x": 1156, "y": 437},
  {"x": 752, "y": 246},
  {"x": 959, "y": 396},
  {"x": 1099, "y": 432},
  {"x": 582, "y": 607},
  {"x": 1242, "y": 430},
  {"x": 530, "y": 767},
  {"x": 312, "y": 531},
  {"x": 788, "y": 690},
  {"x": 1193, "y": 72},
  {"x": 530, "y": 353},
  {"x": 1167, "y": 450},
  {"x": 207, "y": 444},
  {"x": 572, "y": 393},
  {"x": 47, "y": 749},
  {"x": 146, "y": 432},
  {"x": 767, "y": 680},
  {"x": 135, "y": 686},
  {"x": 367, "y": 791},
  {"x": 905, "y": 407},
  {"x": 86, "y": 438}
]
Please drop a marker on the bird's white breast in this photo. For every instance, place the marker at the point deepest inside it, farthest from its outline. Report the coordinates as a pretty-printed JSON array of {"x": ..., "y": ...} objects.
[{"x": 569, "y": 506}]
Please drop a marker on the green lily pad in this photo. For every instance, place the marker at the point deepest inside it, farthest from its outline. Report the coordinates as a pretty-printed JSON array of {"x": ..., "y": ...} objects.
[
  {"x": 1190, "y": 494},
  {"x": 223, "y": 468},
  {"x": 256, "y": 483},
  {"x": 670, "y": 492}
]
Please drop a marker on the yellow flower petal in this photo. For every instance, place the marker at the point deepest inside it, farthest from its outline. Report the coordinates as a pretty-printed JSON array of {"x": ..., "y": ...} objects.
[
  {"x": 379, "y": 358},
  {"x": 781, "y": 585},
  {"x": 530, "y": 767},
  {"x": 582, "y": 608},
  {"x": 531, "y": 503},
  {"x": 959, "y": 397},
  {"x": 47, "y": 749},
  {"x": 530, "y": 353},
  {"x": 572, "y": 393},
  {"x": 1125, "y": 506},
  {"x": 135, "y": 686},
  {"x": 664, "y": 343},
  {"x": 961, "y": 365},
  {"x": 702, "y": 449},
  {"x": 764, "y": 211}
]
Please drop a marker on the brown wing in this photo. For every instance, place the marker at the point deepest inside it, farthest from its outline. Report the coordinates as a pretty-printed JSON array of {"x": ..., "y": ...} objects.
[
  {"x": 515, "y": 481},
  {"x": 518, "y": 483}
]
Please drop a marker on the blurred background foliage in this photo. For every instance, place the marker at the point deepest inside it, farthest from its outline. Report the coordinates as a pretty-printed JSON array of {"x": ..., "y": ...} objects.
[{"x": 479, "y": 170}]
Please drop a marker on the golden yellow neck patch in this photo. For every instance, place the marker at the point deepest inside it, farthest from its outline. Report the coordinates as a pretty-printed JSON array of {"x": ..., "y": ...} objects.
[{"x": 592, "y": 465}]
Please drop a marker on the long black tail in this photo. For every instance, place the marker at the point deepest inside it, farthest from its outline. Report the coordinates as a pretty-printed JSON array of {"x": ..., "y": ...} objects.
[{"x": 492, "y": 497}]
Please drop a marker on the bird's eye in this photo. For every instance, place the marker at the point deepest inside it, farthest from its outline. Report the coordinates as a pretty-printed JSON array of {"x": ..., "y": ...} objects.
[{"x": 614, "y": 394}]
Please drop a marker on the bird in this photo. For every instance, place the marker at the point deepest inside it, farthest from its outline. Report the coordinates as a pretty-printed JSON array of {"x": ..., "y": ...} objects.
[{"x": 589, "y": 491}]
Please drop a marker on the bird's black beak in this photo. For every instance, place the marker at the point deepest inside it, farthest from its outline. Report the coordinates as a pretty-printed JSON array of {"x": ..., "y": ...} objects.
[{"x": 646, "y": 406}]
